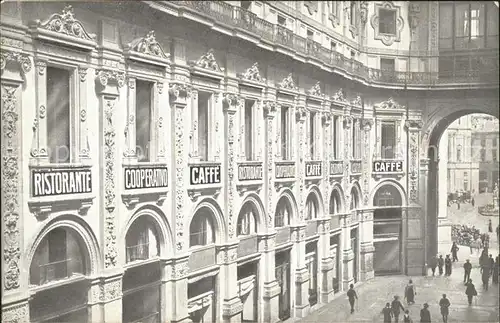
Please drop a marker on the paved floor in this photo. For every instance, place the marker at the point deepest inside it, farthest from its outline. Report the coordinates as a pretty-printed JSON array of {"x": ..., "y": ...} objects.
[{"x": 374, "y": 294}]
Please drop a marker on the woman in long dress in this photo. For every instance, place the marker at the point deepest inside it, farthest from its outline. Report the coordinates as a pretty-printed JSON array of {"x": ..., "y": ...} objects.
[
  {"x": 410, "y": 292},
  {"x": 495, "y": 271}
]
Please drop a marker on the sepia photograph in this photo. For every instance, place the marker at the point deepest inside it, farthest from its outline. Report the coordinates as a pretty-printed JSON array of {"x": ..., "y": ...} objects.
[{"x": 249, "y": 161}]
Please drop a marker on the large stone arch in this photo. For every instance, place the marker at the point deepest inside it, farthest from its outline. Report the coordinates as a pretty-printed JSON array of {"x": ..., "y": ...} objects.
[
  {"x": 434, "y": 129},
  {"x": 288, "y": 194},
  {"x": 220, "y": 226},
  {"x": 315, "y": 191},
  {"x": 337, "y": 188},
  {"x": 393, "y": 183},
  {"x": 256, "y": 202},
  {"x": 84, "y": 231},
  {"x": 355, "y": 192},
  {"x": 164, "y": 230}
]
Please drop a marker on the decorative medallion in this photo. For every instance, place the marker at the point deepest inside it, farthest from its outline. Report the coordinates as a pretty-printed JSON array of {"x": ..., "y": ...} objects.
[
  {"x": 208, "y": 62},
  {"x": 252, "y": 74},
  {"x": 288, "y": 83}
]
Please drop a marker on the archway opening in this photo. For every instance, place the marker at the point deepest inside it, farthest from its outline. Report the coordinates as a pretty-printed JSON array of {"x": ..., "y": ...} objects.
[
  {"x": 60, "y": 257},
  {"x": 387, "y": 231},
  {"x": 248, "y": 262},
  {"x": 335, "y": 207},
  {"x": 463, "y": 170},
  {"x": 312, "y": 207},
  {"x": 354, "y": 233},
  {"x": 283, "y": 213},
  {"x": 202, "y": 259},
  {"x": 141, "y": 285}
]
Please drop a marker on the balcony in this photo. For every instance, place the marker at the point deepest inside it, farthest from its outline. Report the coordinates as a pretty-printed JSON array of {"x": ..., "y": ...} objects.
[
  {"x": 58, "y": 270},
  {"x": 278, "y": 36},
  {"x": 138, "y": 252}
]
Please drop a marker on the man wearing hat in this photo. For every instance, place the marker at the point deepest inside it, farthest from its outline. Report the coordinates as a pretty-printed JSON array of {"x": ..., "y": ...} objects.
[
  {"x": 425, "y": 315},
  {"x": 444, "y": 303},
  {"x": 396, "y": 308},
  {"x": 467, "y": 270}
]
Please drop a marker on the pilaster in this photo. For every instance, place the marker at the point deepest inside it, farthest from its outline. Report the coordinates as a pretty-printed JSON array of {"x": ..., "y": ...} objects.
[
  {"x": 302, "y": 306},
  {"x": 178, "y": 295},
  {"x": 269, "y": 108},
  {"x": 231, "y": 302},
  {"x": 112, "y": 296},
  {"x": 301, "y": 115},
  {"x": 271, "y": 288},
  {"x": 367, "y": 248},
  {"x": 326, "y": 261},
  {"x": 366, "y": 125},
  {"x": 347, "y": 252}
]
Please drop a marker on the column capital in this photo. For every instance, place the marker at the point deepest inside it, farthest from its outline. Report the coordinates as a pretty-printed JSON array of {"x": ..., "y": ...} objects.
[
  {"x": 270, "y": 108},
  {"x": 413, "y": 125},
  {"x": 347, "y": 121},
  {"x": 17, "y": 60},
  {"x": 108, "y": 82},
  {"x": 179, "y": 92},
  {"x": 230, "y": 102},
  {"x": 366, "y": 124},
  {"x": 301, "y": 113}
]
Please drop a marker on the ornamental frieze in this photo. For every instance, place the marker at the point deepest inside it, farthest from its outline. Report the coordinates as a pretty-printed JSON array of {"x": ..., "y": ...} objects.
[{"x": 106, "y": 77}]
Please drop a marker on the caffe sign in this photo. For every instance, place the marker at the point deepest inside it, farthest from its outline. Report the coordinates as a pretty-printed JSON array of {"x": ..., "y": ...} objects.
[
  {"x": 53, "y": 182},
  {"x": 314, "y": 169},
  {"x": 249, "y": 172},
  {"x": 393, "y": 166},
  {"x": 146, "y": 177},
  {"x": 204, "y": 174}
]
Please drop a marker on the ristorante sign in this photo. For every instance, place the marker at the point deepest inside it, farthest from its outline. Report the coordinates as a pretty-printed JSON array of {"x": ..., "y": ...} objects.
[
  {"x": 49, "y": 181},
  {"x": 250, "y": 172},
  {"x": 145, "y": 177},
  {"x": 314, "y": 169},
  {"x": 204, "y": 174},
  {"x": 393, "y": 166}
]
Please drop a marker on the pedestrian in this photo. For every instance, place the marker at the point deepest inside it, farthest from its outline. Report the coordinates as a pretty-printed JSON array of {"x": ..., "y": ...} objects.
[
  {"x": 458, "y": 205},
  {"x": 351, "y": 294},
  {"x": 495, "y": 271},
  {"x": 490, "y": 226},
  {"x": 396, "y": 307},
  {"x": 485, "y": 277},
  {"x": 447, "y": 265},
  {"x": 492, "y": 264},
  {"x": 467, "y": 270},
  {"x": 498, "y": 232},
  {"x": 484, "y": 262},
  {"x": 472, "y": 202},
  {"x": 433, "y": 263},
  {"x": 454, "y": 251},
  {"x": 478, "y": 245},
  {"x": 410, "y": 292},
  {"x": 440, "y": 264},
  {"x": 425, "y": 315},
  {"x": 407, "y": 318},
  {"x": 470, "y": 291},
  {"x": 444, "y": 303},
  {"x": 387, "y": 311}
]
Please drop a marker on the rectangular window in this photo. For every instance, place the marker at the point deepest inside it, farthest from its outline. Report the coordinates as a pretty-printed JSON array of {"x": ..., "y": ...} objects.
[
  {"x": 387, "y": 21},
  {"x": 353, "y": 13},
  {"x": 249, "y": 105},
  {"x": 281, "y": 21},
  {"x": 143, "y": 116},
  {"x": 285, "y": 133},
  {"x": 336, "y": 137},
  {"x": 312, "y": 134},
  {"x": 204, "y": 107},
  {"x": 387, "y": 64},
  {"x": 445, "y": 26},
  {"x": 459, "y": 153},
  {"x": 356, "y": 139},
  {"x": 388, "y": 140},
  {"x": 310, "y": 34},
  {"x": 333, "y": 46},
  {"x": 58, "y": 115}
]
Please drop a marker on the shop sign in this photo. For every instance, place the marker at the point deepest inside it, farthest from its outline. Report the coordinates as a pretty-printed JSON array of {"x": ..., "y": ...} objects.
[
  {"x": 336, "y": 168},
  {"x": 146, "y": 177},
  {"x": 49, "y": 182},
  {"x": 314, "y": 169},
  {"x": 205, "y": 174},
  {"x": 249, "y": 172},
  {"x": 285, "y": 171},
  {"x": 388, "y": 166}
]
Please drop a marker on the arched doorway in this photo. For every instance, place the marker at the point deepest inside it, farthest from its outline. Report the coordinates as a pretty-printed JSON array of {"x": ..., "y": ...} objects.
[
  {"x": 282, "y": 218},
  {"x": 335, "y": 207},
  {"x": 387, "y": 230},
  {"x": 354, "y": 233},
  {"x": 312, "y": 210},
  {"x": 142, "y": 278},
  {"x": 438, "y": 229},
  {"x": 59, "y": 278},
  {"x": 248, "y": 262},
  {"x": 202, "y": 287}
]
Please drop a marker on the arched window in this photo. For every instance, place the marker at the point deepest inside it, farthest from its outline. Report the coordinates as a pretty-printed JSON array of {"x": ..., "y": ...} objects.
[
  {"x": 354, "y": 199},
  {"x": 201, "y": 230},
  {"x": 311, "y": 207},
  {"x": 387, "y": 195},
  {"x": 335, "y": 202},
  {"x": 60, "y": 255},
  {"x": 246, "y": 220},
  {"x": 142, "y": 240},
  {"x": 282, "y": 216}
]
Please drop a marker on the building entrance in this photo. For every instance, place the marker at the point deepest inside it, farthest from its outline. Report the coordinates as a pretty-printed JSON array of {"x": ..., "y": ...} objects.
[
  {"x": 248, "y": 291},
  {"x": 387, "y": 231},
  {"x": 283, "y": 277}
]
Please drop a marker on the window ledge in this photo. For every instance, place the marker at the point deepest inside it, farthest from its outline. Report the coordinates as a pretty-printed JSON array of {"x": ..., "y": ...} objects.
[
  {"x": 249, "y": 186},
  {"x": 195, "y": 192},
  {"x": 42, "y": 206},
  {"x": 138, "y": 263},
  {"x": 397, "y": 175},
  {"x": 76, "y": 278},
  {"x": 132, "y": 197}
]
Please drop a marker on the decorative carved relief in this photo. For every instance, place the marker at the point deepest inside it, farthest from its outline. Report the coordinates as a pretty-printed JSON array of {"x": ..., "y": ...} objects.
[
  {"x": 66, "y": 24},
  {"x": 41, "y": 66},
  {"x": 228, "y": 98},
  {"x": 208, "y": 62},
  {"x": 315, "y": 90},
  {"x": 387, "y": 39},
  {"x": 252, "y": 74},
  {"x": 413, "y": 16},
  {"x": 179, "y": 90},
  {"x": 413, "y": 127},
  {"x": 7, "y": 57},
  {"x": 270, "y": 108},
  {"x": 16, "y": 314},
  {"x": 363, "y": 12},
  {"x": 10, "y": 188},
  {"x": 334, "y": 18},
  {"x": 301, "y": 113},
  {"x": 112, "y": 290},
  {"x": 312, "y": 6},
  {"x": 339, "y": 96},
  {"x": 434, "y": 20},
  {"x": 82, "y": 72},
  {"x": 357, "y": 101},
  {"x": 106, "y": 76},
  {"x": 148, "y": 45},
  {"x": 109, "y": 181},
  {"x": 180, "y": 165},
  {"x": 390, "y": 104},
  {"x": 288, "y": 83}
]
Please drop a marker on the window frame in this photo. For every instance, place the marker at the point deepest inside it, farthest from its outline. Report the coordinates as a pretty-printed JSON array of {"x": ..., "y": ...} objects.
[
  {"x": 284, "y": 205},
  {"x": 285, "y": 140},
  {"x": 383, "y": 151},
  {"x": 313, "y": 132},
  {"x": 206, "y": 221},
  {"x": 248, "y": 210},
  {"x": 153, "y": 110},
  {"x": 252, "y": 155},
  {"x": 394, "y": 12}
]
